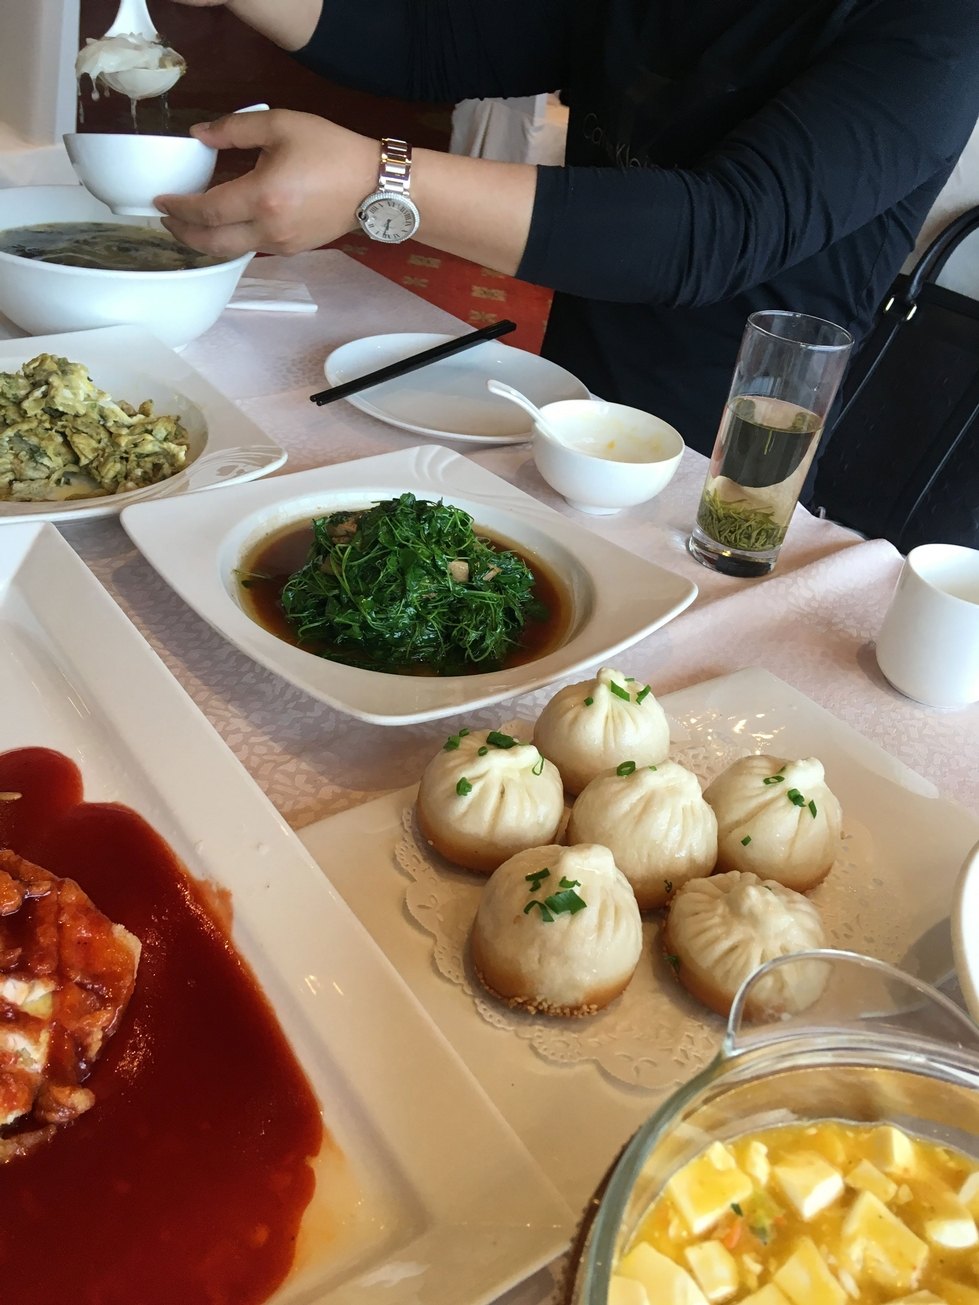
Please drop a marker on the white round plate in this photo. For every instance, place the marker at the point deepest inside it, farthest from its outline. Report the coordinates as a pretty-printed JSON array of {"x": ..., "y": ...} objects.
[
  {"x": 965, "y": 931},
  {"x": 449, "y": 399}
]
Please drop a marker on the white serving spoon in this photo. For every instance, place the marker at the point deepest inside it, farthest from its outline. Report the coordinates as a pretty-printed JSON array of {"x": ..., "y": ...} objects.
[
  {"x": 516, "y": 396},
  {"x": 133, "y": 19}
]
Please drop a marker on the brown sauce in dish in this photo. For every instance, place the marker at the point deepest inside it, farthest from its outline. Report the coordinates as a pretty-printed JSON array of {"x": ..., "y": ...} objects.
[
  {"x": 265, "y": 569},
  {"x": 186, "y": 1182}
]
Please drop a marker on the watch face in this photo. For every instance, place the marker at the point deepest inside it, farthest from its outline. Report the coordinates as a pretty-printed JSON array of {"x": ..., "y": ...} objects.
[{"x": 389, "y": 218}]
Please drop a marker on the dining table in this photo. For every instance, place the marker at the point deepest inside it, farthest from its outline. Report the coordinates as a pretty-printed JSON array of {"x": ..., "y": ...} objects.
[{"x": 811, "y": 623}]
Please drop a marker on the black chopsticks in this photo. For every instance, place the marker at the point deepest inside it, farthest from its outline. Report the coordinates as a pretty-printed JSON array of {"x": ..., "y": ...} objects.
[{"x": 416, "y": 360}]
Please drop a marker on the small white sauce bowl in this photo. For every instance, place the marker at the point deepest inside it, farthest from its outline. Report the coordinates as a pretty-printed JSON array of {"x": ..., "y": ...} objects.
[
  {"x": 127, "y": 172},
  {"x": 603, "y": 457}
]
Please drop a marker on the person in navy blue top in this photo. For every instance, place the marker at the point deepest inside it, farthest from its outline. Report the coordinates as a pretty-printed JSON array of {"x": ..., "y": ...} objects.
[{"x": 723, "y": 156}]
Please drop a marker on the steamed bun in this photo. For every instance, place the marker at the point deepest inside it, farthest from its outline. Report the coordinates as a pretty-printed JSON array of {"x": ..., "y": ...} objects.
[
  {"x": 557, "y": 930},
  {"x": 589, "y": 728},
  {"x": 485, "y": 796},
  {"x": 720, "y": 930},
  {"x": 656, "y": 824},
  {"x": 776, "y": 818}
]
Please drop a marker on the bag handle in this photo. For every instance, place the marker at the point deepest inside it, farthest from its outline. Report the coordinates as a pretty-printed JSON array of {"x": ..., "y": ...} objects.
[
  {"x": 902, "y": 305},
  {"x": 938, "y": 252}
]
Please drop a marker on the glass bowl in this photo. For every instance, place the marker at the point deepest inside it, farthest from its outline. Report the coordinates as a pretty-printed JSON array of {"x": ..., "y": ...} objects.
[{"x": 878, "y": 1047}]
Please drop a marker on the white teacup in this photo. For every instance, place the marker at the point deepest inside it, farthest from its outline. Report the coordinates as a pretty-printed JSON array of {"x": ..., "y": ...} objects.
[{"x": 928, "y": 645}]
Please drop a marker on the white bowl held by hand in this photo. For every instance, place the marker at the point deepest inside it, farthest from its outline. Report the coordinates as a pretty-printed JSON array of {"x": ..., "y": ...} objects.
[
  {"x": 44, "y": 298},
  {"x": 604, "y": 457},
  {"x": 127, "y": 172}
]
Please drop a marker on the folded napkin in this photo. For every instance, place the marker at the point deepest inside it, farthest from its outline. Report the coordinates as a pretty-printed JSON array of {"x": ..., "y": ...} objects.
[{"x": 268, "y": 295}]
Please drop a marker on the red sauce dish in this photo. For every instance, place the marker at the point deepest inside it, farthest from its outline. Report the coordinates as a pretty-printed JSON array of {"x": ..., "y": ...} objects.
[{"x": 187, "y": 1180}]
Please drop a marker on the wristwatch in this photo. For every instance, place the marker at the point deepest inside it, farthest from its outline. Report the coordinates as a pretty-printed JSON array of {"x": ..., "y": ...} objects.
[{"x": 388, "y": 213}]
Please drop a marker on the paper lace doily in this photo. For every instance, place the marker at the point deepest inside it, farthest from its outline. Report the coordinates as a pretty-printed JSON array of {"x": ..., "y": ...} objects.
[{"x": 654, "y": 1036}]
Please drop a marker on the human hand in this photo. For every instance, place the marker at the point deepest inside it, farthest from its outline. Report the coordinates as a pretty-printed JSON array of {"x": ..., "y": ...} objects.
[{"x": 303, "y": 191}]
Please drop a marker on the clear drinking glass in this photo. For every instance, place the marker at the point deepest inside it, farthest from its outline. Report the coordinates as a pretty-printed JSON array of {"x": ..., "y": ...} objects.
[
  {"x": 788, "y": 371},
  {"x": 877, "y": 1047}
]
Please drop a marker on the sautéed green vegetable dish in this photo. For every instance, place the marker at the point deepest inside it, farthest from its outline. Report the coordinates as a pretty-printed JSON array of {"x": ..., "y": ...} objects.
[{"x": 408, "y": 583}]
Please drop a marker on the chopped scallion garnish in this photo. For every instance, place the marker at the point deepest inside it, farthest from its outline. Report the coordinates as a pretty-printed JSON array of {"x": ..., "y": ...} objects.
[
  {"x": 619, "y": 692},
  {"x": 536, "y": 878},
  {"x": 545, "y": 914},
  {"x": 643, "y": 694},
  {"x": 746, "y": 840},
  {"x": 773, "y": 779},
  {"x": 795, "y": 797},
  {"x": 464, "y": 788},
  {"x": 626, "y": 768},
  {"x": 539, "y": 768},
  {"x": 497, "y": 740},
  {"x": 812, "y": 809},
  {"x": 481, "y": 752},
  {"x": 566, "y": 902},
  {"x": 589, "y": 702}
]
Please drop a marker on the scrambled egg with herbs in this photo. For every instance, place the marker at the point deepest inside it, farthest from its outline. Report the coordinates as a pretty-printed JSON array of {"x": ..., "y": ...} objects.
[{"x": 61, "y": 437}]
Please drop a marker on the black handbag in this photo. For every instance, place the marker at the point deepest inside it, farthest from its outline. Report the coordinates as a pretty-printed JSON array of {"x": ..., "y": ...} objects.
[{"x": 902, "y": 462}]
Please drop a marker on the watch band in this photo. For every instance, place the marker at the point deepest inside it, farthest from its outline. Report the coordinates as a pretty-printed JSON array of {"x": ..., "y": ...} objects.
[{"x": 395, "y": 172}]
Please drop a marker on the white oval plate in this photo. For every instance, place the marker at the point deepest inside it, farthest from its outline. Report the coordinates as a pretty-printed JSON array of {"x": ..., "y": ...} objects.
[
  {"x": 616, "y": 597},
  {"x": 130, "y": 363},
  {"x": 449, "y": 399}
]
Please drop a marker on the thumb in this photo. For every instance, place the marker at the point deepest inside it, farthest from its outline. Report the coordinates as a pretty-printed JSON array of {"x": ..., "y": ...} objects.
[{"x": 237, "y": 131}]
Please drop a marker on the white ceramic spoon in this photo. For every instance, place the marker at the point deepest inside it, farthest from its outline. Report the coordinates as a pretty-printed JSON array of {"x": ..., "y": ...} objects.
[
  {"x": 516, "y": 396},
  {"x": 133, "y": 19}
]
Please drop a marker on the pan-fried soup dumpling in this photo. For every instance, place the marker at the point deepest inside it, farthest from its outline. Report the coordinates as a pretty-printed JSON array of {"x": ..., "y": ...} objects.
[
  {"x": 720, "y": 930},
  {"x": 656, "y": 824},
  {"x": 557, "y": 930},
  {"x": 484, "y": 796},
  {"x": 587, "y": 729},
  {"x": 776, "y": 818}
]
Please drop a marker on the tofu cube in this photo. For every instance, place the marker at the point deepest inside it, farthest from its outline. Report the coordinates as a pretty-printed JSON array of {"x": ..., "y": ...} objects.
[
  {"x": 626, "y": 1291},
  {"x": 948, "y": 1222},
  {"x": 919, "y": 1298},
  {"x": 705, "y": 1189},
  {"x": 756, "y": 1164},
  {"x": 808, "y": 1182},
  {"x": 876, "y": 1244},
  {"x": 767, "y": 1295},
  {"x": 969, "y": 1193},
  {"x": 891, "y": 1150},
  {"x": 865, "y": 1177},
  {"x": 806, "y": 1280},
  {"x": 715, "y": 1269},
  {"x": 665, "y": 1281}
]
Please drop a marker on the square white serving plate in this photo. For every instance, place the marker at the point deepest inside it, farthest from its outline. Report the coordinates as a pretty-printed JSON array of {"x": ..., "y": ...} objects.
[
  {"x": 436, "y": 1201},
  {"x": 905, "y": 833},
  {"x": 130, "y": 363},
  {"x": 617, "y": 598}
]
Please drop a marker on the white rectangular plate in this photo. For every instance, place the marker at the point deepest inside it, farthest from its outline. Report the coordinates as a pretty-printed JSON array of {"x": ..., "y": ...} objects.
[
  {"x": 617, "y": 598},
  {"x": 131, "y": 364},
  {"x": 441, "y": 1203},
  {"x": 908, "y": 844}
]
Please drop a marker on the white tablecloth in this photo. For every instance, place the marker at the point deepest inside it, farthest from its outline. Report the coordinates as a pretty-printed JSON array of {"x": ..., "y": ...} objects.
[{"x": 812, "y": 622}]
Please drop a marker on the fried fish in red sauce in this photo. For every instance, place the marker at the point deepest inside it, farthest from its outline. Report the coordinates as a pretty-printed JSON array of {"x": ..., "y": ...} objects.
[{"x": 66, "y": 976}]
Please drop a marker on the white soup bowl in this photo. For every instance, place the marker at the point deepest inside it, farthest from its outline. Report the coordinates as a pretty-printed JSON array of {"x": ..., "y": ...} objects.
[
  {"x": 603, "y": 457},
  {"x": 46, "y": 298}
]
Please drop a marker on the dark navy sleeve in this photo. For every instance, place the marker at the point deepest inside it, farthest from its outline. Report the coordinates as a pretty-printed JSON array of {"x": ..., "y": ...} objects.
[
  {"x": 441, "y": 51},
  {"x": 887, "y": 108}
]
